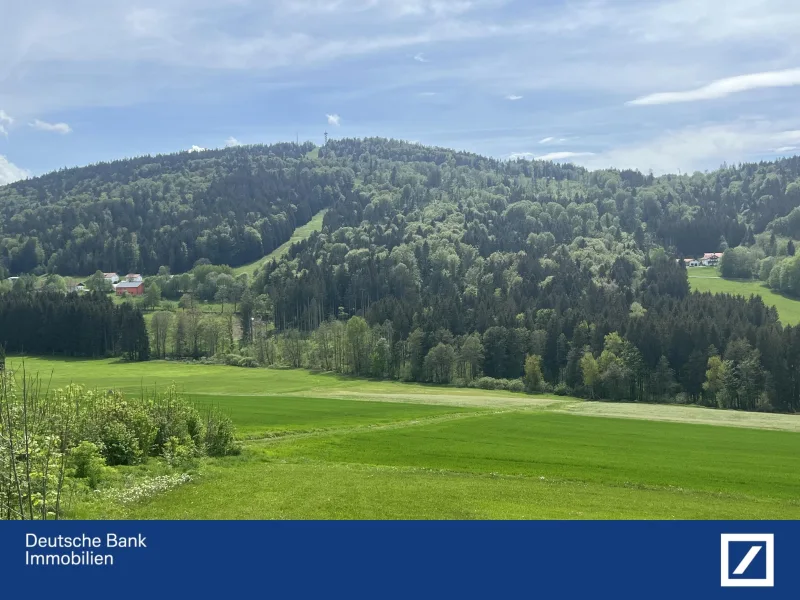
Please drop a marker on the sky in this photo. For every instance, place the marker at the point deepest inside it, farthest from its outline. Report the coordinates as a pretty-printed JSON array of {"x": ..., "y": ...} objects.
[{"x": 661, "y": 85}]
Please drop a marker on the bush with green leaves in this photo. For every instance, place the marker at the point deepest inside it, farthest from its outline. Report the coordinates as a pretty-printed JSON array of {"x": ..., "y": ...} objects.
[
  {"x": 180, "y": 454},
  {"x": 236, "y": 360},
  {"x": 124, "y": 429},
  {"x": 88, "y": 463},
  {"x": 220, "y": 434},
  {"x": 76, "y": 434},
  {"x": 515, "y": 385},
  {"x": 174, "y": 417}
]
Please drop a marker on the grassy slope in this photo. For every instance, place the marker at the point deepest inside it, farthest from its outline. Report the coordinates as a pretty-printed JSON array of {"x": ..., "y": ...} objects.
[
  {"x": 262, "y": 416},
  {"x": 417, "y": 454},
  {"x": 515, "y": 465},
  {"x": 707, "y": 279},
  {"x": 300, "y": 234},
  {"x": 217, "y": 380},
  {"x": 602, "y": 451}
]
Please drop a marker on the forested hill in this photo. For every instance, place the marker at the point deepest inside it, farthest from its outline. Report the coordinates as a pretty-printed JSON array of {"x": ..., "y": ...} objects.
[
  {"x": 235, "y": 205},
  {"x": 230, "y": 206}
]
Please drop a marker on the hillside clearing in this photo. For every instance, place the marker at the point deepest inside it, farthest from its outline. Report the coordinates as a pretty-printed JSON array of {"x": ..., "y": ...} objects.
[
  {"x": 299, "y": 234},
  {"x": 707, "y": 279}
]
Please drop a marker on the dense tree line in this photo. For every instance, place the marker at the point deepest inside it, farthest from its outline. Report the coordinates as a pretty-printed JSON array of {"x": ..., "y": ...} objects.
[
  {"x": 71, "y": 325},
  {"x": 694, "y": 348}
]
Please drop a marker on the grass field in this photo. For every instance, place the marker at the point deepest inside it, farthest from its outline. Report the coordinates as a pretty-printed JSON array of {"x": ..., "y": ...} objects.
[
  {"x": 707, "y": 279},
  {"x": 323, "y": 446},
  {"x": 300, "y": 234}
]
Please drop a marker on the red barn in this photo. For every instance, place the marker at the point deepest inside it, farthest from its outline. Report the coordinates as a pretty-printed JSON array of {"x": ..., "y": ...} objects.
[{"x": 134, "y": 288}]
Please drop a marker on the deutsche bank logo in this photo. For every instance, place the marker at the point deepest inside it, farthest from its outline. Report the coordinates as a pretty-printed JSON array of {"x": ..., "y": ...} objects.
[{"x": 748, "y": 559}]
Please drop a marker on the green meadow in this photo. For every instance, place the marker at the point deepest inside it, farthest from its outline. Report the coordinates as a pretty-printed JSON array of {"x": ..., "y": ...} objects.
[
  {"x": 318, "y": 446},
  {"x": 707, "y": 279}
]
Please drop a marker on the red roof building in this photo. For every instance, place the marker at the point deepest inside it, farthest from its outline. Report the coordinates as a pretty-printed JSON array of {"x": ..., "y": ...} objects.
[{"x": 134, "y": 288}]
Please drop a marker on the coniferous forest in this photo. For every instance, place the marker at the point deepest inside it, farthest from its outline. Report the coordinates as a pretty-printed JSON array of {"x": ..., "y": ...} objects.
[
  {"x": 438, "y": 266},
  {"x": 71, "y": 325}
]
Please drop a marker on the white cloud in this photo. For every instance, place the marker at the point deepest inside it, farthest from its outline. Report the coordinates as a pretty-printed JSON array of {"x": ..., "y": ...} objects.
[
  {"x": 231, "y": 142},
  {"x": 9, "y": 172},
  {"x": 61, "y": 128},
  {"x": 547, "y": 140},
  {"x": 196, "y": 148},
  {"x": 365, "y": 56},
  {"x": 559, "y": 156},
  {"x": 428, "y": 94},
  {"x": 147, "y": 22},
  {"x": 334, "y": 120},
  {"x": 398, "y": 9},
  {"x": 786, "y": 149},
  {"x": 725, "y": 87},
  {"x": 696, "y": 148},
  {"x": 5, "y": 119},
  {"x": 552, "y": 156}
]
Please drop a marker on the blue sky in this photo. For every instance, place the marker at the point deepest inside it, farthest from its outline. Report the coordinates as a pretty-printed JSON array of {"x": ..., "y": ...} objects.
[{"x": 667, "y": 85}]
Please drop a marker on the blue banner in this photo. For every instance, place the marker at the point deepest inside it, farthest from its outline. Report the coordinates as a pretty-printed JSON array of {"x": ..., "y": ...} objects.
[{"x": 399, "y": 559}]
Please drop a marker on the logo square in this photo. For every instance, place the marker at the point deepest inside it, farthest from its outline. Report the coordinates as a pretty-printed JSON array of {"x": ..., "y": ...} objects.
[{"x": 747, "y": 559}]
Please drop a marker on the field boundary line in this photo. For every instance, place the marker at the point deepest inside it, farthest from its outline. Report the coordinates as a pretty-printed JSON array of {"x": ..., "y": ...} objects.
[{"x": 419, "y": 422}]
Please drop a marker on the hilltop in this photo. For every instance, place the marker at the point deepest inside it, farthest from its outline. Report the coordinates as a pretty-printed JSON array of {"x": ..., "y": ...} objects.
[{"x": 235, "y": 205}]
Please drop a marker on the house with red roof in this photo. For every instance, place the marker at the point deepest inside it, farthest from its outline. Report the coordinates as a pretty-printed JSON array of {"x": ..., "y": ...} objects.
[{"x": 133, "y": 288}]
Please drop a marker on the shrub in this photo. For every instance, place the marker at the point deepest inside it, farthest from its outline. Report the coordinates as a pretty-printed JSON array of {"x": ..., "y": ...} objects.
[
  {"x": 763, "y": 404},
  {"x": 220, "y": 439},
  {"x": 237, "y": 360},
  {"x": 121, "y": 446},
  {"x": 180, "y": 454},
  {"x": 683, "y": 398},
  {"x": 516, "y": 385},
  {"x": 561, "y": 389},
  {"x": 123, "y": 430},
  {"x": 248, "y": 362},
  {"x": 174, "y": 417},
  {"x": 486, "y": 383},
  {"x": 88, "y": 463}
]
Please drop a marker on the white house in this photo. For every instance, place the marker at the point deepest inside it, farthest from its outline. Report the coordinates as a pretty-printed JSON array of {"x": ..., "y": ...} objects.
[
  {"x": 133, "y": 277},
  {"x": 112, "y": 278},
  {"x": 711, "y": 259},
  {"x": 691, "y": 262}
]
